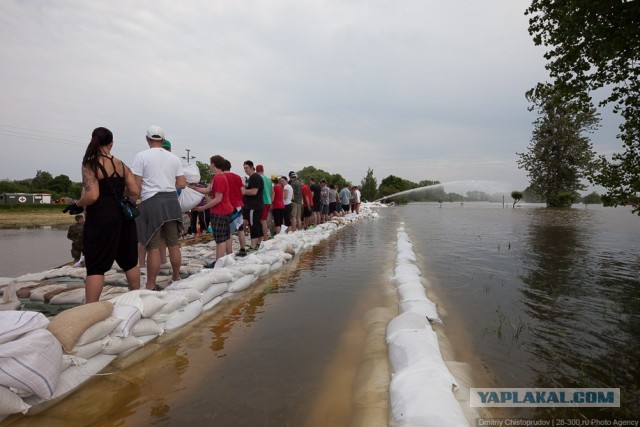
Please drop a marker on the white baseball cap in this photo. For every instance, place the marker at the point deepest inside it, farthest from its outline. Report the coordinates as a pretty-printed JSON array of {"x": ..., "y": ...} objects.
[{"x": 156, "y": 133}]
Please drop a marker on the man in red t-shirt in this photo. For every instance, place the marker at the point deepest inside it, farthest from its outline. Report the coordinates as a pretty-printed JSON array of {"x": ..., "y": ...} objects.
[
  {"x": 236, "y": 191},
  {"x": 307, "y": 205},
  {"x": 221, "y": 208}
]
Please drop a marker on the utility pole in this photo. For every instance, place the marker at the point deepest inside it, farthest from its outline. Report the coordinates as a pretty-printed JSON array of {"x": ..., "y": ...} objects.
[{"x": 188, "y": 157}]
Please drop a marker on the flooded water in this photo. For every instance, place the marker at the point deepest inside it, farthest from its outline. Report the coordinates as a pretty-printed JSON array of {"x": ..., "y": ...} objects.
[
  {"x": 549, "y": 298},
  {"x": 31, "y": 250},
  {"x": 534, "y": 297}
]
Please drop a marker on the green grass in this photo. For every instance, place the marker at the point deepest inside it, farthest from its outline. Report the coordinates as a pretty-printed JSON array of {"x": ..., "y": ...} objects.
[{"x": 13, "y": 207}]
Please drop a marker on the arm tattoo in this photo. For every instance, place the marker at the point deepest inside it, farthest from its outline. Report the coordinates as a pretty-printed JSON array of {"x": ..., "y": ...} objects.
[{"x": 88, "y": 179}]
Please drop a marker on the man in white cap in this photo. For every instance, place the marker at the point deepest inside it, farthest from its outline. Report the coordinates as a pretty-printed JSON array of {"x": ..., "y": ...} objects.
[{"x": 159, "y": 173}]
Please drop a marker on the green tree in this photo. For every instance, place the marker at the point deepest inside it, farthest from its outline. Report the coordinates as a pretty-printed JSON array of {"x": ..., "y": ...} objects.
[
  {"x": 559, "y": 155},
  {"x": 205, "y": 172},
  {"x": 393, "y": 184},
  {"x": 368, "y": 186},
  {"x": 592, "y": 198},
  {"x": 516, "y": 196},
  {"x": 595, "y": 44},
  {"x": 61, "y": 184},
  {"x": 41, "y": 181}
]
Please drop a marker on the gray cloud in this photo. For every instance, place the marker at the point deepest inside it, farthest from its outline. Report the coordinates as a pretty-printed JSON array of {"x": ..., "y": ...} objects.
[{"x": 418, "y": 89}]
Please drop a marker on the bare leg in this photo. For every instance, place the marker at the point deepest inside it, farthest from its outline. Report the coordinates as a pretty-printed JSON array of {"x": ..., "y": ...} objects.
[
  {"x": 163, "y": 252},
  {"x": 175, "y": 256},
  {"x": 93, "y": 287},
  {"x": 142, "y": 255},
  {"x": 153, "y": 266},
  {"x": 241, "y": 239},
  {"x": 133, "y": 278}
]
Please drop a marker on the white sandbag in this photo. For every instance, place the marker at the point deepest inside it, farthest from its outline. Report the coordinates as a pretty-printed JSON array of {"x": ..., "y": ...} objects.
[
  {"x": 406, "y": 322},
  {"x": 197, "y": 282},
  {"x": 188, "y": 294},
  {"x": 407, "y": 269},
  {"x": 73, "y": 296},
  {"x": 241, "y": 284},
  {"x": 215, "y": 301},
  {"x": 412, "y": 291},
  {"x": 174, "y": 303},
  {"x": 117, "y": 345},
  {"x": 422, "y": 307},
  {"x": 70, "y": 379},
  {"x": 129, "y": 316},
  {"x": 183, "y": 316},
  {"x": 31, "y": 277},
  {"x": 189, "y": 199},
  {"x": 98, "y": 331},
  {"x": 89, "y": 350},
  {"x": 144, "y": 327},
  {"x": 276, "y": 266},
  {"x": 191, "y": 174},
  {"x": 145, "y": 301},
  {"x": 213, "y": 291},
  {"x": 13, "y": 324},
  {"x": 32, "y": 363},
  {"x": 416, "y": 350},
  {"x": 11, "y": 403},
  {"x": 424, "y": 398},
  {"x": 255, "y": 269},
  {"x": 267, "y": 258},
  {"x": 406, "y": 254}
]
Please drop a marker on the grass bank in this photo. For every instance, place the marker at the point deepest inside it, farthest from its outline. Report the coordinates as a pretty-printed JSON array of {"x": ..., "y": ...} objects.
[{"x": 18, "y": 216}]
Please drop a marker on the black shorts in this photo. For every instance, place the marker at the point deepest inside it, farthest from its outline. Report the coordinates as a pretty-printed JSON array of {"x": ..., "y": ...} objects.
[
  {"x": 287, "y": 215},
  {"x": 278, "y": 216},
  {"x": 332, "y": 207},
  {"x": 306, "y": 212},
  {"x": 255, "y": 226},
  {"x": 105, "y": 243}
]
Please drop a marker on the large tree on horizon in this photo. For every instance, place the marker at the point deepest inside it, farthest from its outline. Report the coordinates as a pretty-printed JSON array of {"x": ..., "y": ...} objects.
[
  {"x": 560, "y": 156},
  {"x": 594, "y": 46}
]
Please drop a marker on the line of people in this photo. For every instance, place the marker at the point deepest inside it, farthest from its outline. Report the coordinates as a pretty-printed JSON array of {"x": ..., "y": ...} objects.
[{"x": 155, "y": 178}]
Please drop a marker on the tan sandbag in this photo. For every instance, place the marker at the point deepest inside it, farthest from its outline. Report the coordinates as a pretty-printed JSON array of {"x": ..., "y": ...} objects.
[
  {"x": 70, "y": 324},
  {"x": 49, "y": 295}
]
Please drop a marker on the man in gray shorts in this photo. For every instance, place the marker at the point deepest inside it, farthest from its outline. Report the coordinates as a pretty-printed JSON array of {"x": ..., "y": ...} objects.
[{"x": 159, "y": 173}]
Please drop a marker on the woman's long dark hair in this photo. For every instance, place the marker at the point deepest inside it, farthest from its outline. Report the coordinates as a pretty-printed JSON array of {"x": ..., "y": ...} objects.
[{"x": 100, "y": 137}]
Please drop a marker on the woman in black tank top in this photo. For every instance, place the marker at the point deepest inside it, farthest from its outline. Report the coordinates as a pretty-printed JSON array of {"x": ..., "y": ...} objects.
[{"x": 108, "y": 237}]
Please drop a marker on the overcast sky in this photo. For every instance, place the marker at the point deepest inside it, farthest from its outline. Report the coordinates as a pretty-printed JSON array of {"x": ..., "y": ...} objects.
[{"x": 421, "y": 89}]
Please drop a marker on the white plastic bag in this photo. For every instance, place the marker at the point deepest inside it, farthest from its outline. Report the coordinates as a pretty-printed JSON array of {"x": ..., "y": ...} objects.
[{"x": 189, "y": 199}]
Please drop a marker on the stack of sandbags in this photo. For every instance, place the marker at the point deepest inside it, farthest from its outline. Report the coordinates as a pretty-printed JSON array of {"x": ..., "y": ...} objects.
[
  {"x": 30, "y": 360},
  {"x": 422, "y": 387}
]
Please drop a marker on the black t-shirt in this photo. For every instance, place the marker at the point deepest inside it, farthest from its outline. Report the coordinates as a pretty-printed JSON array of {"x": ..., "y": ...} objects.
[
  {"x": 315, "y": 189},
  {"x": 254, "y": 202}
]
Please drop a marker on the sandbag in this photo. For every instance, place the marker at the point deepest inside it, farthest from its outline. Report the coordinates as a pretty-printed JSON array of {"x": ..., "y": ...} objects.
[
  {"x": 189, "y": 199},
  {"x": 117, "y": 345},
  {"x": 68, "y": 325},
  {"x": 87, "y": 351},
  {"x": 422, "y": 307},
  {"x": 406, "y": 322},
  {"x": 31, "y": 363},
  {"x": 213, "y": 291},
  {"x": 11, "y": 403},
  {"x": 424, "y": 398},
  {"x": 184, "y": 315},
  {"x": 191, "y": 174},
  {"x": 242, "y": 283},
  {"x": 13, "y": 324},
  {"x": 129, "y": 315},
  {"x": 144, "y": 327},
  {"x": 99, "y": 330}
]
